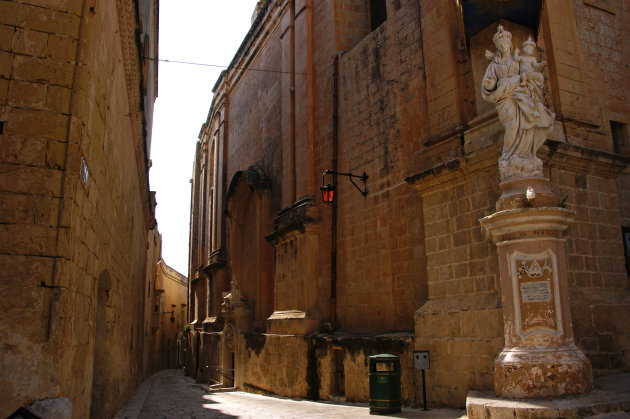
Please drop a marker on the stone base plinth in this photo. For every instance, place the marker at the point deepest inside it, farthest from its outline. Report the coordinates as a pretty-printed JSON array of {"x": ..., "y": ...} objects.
[
  {"x": 611, "y": 396},
  {"x": 292, "y": 322},
  {"x": 541, "y": 372},
  {"x": 213, "y": 324},
  {"x": 514, "y": 194}
]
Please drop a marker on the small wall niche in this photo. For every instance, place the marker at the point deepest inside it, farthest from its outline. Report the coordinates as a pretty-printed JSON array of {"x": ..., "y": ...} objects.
[{"x": 619, "y": 135}]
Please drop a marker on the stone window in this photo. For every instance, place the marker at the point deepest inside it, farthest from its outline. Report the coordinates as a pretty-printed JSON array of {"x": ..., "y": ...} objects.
[
  {"x": 619, "y": 134},
  {"x": 626, "y": 246},
  {"x": 378, "y": 13}
]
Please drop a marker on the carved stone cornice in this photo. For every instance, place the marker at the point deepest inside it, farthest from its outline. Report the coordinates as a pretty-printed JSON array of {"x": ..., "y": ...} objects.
[
  {"x": 217, "y": 260},
  {"x": 294, "y": 220},
  {"x": 583, "y": 160},
  {"x": 128, "y": 25},
  {"x": 256, "y": 179}
]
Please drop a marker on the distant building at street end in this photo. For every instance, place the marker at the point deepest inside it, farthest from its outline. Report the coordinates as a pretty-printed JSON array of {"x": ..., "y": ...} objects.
[{"x": 168, "y": 317}]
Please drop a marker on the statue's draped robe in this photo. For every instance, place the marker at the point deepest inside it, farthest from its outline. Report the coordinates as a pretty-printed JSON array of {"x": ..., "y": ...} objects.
[{"x": 521, "y": 109}]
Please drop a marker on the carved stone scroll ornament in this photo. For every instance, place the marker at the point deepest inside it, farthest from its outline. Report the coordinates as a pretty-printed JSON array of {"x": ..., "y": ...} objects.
[
  {"x": 515, "y": 85},
  {"x": 234, "y": 299}
]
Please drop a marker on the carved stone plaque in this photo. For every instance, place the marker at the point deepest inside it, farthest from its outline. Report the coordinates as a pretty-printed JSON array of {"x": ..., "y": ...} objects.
[
  {"x": 535, "y": 286},
  {"x": 536, "y": 292}
]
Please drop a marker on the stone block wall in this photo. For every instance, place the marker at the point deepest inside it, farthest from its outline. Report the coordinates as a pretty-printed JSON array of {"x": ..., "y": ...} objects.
[
  {"x": 597, "y": 271},
  {"x": 602, "y": 32},
  {"x": 411, "y": 255},
  {"x": 462, "y": 323},
  {"x": 75, "y": 209},
  {"x": 254, "y": 138},
  {"x": 275, "y": 364},
  {"x": 171, "y": 286},
  {"x": 305, "y": 366},
  {"x": 352, "y": 21},
  {"x": 381, "y": 254},
  {"x": 352, "y": 367},
  {"x": 209, "y": 358}
]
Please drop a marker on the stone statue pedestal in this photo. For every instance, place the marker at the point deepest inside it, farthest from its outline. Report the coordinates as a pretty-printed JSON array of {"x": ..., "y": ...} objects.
[
  {"x": 514, "y": 193},
  {"x": 540, "y": 358}
]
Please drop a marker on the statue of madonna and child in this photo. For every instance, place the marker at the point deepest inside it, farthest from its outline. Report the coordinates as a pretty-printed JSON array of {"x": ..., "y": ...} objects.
[{"x": 515, "y": 83}]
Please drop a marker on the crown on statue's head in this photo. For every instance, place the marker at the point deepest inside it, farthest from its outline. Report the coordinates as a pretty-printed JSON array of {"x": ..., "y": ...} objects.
[
  {"x": 501, "y": 35},
  {"x": 530, "y": 42}
]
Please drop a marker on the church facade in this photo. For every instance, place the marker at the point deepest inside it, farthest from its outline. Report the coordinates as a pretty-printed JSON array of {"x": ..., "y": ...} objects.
[{"x": 290, "y": 296}]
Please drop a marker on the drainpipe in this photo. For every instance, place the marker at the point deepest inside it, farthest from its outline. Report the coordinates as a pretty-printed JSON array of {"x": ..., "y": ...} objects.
[
  {"x": 190, "y": 226},
  {"x": 292, "y": 170},
  {"x": 333, "y": 224}
]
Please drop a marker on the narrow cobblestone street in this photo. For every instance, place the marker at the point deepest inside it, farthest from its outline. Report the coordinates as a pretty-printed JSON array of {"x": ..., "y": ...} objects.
[{"x": 168, "y": 394}]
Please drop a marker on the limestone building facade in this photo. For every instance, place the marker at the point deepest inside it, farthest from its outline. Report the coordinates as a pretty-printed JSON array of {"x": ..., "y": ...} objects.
[
  {"x": 168, "y": 317},
  {"x": 78, "y": 243},
  {"x": 289, "y": 296}
]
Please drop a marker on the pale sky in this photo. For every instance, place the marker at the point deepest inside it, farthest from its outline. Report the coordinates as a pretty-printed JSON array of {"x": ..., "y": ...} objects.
[{"x": 203, "y": 31}]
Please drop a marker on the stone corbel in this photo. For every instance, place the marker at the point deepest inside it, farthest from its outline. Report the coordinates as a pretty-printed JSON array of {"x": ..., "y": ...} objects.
[
  {"x": 216, "y": 261},
  {"x": 294, "y": 220}
]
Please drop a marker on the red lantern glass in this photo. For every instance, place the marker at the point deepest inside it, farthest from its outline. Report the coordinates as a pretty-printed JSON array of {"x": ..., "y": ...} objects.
[{"x": 328, "y": 194}]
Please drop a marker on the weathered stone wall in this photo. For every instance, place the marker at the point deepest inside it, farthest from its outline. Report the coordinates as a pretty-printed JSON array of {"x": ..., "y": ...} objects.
[
  {"x": 154, "y": 251},
  {"x": 597, "y": 272},
  {"x": 305, "y": 366},
  {"x": 381, "y": 278},
  {"x": 272, "y": 363},
  {"x": 73, "y": 248},
  {"x": 602, "y": 32},
  {"x": 411, "y": 255},
  {"x": 255, "y": 102},
  {"x": 595, "y": 189},
  {"x": 462, "y": 324},
  {"x": 354, "y": 352},
  {"x": 206, "y": 357},
  {"x": 169, "y": 303}
]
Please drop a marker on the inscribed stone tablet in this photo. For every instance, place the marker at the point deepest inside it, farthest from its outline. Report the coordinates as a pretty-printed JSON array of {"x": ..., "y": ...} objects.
[{"x": 536, "y": 292}]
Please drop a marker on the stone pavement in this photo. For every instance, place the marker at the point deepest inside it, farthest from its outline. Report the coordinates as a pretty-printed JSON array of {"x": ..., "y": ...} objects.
[{"x": 168, "y": 394}]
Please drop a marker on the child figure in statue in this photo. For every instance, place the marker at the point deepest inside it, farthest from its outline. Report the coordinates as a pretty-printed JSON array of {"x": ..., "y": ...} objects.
[
  {"x": 529, "y": 68},
  {"x": 522, "y": 112}
]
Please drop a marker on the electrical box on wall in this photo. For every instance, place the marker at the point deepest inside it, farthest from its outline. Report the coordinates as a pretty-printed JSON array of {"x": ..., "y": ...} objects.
[{"x": 421, "y": 360}]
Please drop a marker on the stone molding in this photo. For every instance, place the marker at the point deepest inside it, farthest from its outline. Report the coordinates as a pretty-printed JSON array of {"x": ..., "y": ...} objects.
[
  {"x": 294, "y": 220},
  {"x": 292, "y": 322},
  {"x": 127, "y": 23},
  {"x": 216, "y": 260},
  {"x": 256, "y": 180},
  {"x": 555, "y": 153},
  {"x": 550, "y": 222},
  {"x": 583, "y": 160}
]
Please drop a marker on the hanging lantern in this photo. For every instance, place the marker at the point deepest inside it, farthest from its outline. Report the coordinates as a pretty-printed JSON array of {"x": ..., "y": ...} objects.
[{"x": 328, "y": 193}]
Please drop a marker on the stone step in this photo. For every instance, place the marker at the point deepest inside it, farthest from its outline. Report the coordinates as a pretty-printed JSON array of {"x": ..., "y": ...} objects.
[
  {"x": 222, "y": 389},
  {"x": 611, "y": 395}
]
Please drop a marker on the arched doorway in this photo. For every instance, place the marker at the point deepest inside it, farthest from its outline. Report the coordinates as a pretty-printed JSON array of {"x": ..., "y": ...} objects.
[{"x": 250, "y": 255}]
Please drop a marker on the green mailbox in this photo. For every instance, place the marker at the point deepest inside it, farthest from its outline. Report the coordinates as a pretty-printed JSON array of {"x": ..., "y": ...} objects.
[{"x": 384, "y": 384}]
